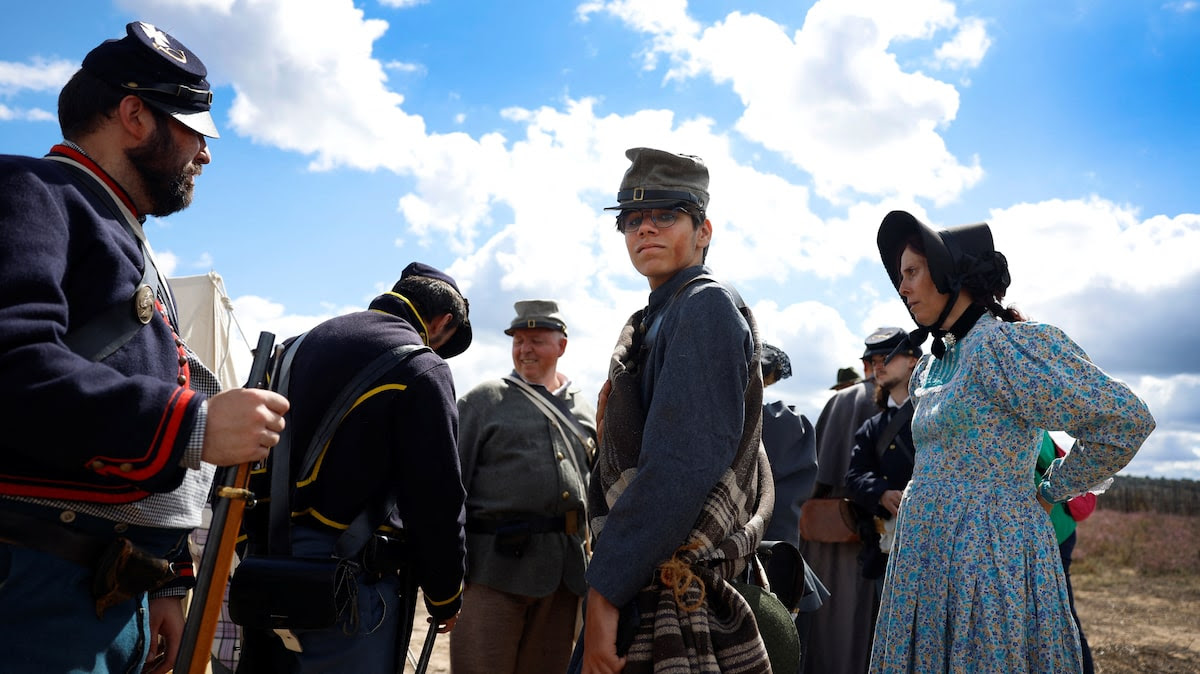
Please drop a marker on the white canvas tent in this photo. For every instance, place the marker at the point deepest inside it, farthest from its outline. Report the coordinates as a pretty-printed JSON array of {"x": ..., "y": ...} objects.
[{"x": 206, "y": 322}]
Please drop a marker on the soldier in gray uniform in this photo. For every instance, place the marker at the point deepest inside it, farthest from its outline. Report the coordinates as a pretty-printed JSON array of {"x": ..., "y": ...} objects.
[{"x": 525, "y": 442}]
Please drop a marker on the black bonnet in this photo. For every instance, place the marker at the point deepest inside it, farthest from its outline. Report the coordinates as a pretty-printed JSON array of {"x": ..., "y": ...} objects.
[{"x": 958, "y": 256}]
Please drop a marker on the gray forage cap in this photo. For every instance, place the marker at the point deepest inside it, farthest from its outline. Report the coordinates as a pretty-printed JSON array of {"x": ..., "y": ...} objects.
[{"x": 659, "y": 179}]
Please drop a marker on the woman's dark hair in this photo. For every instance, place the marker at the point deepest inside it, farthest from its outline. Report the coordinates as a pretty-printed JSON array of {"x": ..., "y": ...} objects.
[
  {"x": 985, "y": 283},
  {"x": 84, "y": 103}
]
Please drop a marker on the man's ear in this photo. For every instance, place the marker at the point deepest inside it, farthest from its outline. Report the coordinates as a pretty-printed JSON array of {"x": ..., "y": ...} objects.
[
  {"x": 136, "y": 118},
  {"x": 704, "y": 234},
  {"x": 438, "y": 324}
]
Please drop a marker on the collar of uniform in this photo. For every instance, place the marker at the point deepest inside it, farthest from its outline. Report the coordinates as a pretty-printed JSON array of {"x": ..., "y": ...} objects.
[
  {"x": 559, "y": 392},
  {"x": 76, "y": 153},
  {"x": 662, "y": 294},
  {"x": 398, "y": 306}
]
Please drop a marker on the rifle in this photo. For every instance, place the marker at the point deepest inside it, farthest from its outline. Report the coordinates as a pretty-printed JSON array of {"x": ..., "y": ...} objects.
[
  {"x": 408, "y": 613},
  {"x": 231, "y": 497},
  {"x": 427, "y": 649}
]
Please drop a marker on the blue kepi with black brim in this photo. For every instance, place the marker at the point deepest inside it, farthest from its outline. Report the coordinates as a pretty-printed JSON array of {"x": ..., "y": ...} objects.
[{"x": 160, "y": 70}]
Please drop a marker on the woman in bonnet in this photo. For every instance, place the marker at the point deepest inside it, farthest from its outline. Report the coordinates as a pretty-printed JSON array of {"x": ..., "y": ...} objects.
[{"x": 975, "y": 583}]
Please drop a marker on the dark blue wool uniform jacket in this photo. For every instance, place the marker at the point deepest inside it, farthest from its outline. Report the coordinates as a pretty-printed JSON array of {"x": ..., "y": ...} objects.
[
  {"x": 400, "y": 436},
  {"x": 111, "y": 431}
]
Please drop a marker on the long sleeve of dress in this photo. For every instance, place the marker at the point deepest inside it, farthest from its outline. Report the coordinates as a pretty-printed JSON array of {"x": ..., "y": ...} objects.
[{"x": 1044, "y": 377}]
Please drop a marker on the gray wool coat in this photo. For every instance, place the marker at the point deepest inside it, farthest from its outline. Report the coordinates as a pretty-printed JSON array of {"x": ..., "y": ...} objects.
[{"x": 515, "y": 462}]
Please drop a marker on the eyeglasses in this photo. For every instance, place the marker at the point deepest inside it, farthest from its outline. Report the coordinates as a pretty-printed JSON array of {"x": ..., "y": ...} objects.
[{"x": 631, "y": 220}]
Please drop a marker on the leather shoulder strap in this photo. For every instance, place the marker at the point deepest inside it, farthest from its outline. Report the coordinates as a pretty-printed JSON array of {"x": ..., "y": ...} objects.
[
  {"x": 554, "y": 409},
  {"x": 901, "y": 417},
  {"x": 359, "y": 531},
  {"x": 113, "y": 327}
]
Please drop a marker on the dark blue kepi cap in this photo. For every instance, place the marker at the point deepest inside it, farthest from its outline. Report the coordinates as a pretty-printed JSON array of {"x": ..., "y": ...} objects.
[
  {"x": 462, "y": 336},
  {"x": 157, "y": 68},
  {"x": 889, "y": 342}
]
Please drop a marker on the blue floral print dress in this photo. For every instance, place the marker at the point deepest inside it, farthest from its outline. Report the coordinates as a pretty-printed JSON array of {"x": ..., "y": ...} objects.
[{"x": 975, "y": 582}]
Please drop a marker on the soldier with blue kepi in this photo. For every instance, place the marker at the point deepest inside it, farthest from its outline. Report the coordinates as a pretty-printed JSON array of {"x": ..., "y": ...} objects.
[
  {"x": 94, "y": 514},
  {"x": 881, "y": 462},
  {"x": 374, "y": 435}
]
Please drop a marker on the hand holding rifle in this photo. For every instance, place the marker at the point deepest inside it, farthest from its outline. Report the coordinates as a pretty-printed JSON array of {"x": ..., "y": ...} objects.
[{"x": 242, "y": 426}]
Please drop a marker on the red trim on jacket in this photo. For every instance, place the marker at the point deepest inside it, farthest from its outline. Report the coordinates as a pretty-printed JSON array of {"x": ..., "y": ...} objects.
[
  {"x": 99, "y": 173},
  {"x": 12, "y": 486},
  {"x": 160, "y": 448}
]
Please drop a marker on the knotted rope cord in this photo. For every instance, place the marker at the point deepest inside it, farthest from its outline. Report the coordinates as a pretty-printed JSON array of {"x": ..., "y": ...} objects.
[{"x": 677, "y": 574}]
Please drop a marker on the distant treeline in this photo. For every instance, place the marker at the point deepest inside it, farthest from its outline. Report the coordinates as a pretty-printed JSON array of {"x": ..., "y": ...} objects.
[{"x": 1157, "y": 494}]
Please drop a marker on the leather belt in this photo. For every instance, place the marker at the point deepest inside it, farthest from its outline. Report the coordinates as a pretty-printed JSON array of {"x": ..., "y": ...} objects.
[
  {"x": 41, "y": 535},
  {"x": 120, "y": 570},
  {"x": 568, "y": 524}
]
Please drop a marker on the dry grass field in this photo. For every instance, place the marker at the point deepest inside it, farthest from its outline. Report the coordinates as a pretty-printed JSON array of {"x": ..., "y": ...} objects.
[{"x": 1137, "y": 590}]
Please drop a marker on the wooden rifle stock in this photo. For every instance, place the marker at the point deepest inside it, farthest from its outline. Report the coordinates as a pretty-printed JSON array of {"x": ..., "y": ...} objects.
[{"x": 231, "y": 495}]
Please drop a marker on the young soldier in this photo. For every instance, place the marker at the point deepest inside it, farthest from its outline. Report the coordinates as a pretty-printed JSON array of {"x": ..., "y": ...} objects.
[
  {"x": 674, "y": 500},
  {"x": 882, "y": 460}
]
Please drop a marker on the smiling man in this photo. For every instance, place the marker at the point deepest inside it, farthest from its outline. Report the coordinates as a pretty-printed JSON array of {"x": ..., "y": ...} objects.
[
  {"x": 525, "y": 442},
  {"x": 675, "y": 499}
]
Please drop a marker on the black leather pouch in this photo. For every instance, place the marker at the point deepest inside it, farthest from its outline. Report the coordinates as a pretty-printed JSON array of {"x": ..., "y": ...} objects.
[{"x": 290, "y": 592}]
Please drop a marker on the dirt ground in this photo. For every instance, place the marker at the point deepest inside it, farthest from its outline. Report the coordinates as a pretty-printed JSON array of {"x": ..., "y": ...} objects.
[
  {"x": 1134, "y": 625},
  {"x": 1138, "y": 624}
]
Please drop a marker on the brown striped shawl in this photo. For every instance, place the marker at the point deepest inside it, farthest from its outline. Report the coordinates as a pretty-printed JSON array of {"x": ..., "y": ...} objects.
[{"x": 692, "y": 619}]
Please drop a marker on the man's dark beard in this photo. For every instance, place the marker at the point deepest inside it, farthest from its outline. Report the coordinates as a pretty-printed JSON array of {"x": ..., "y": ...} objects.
[
  {"x": 166, "y": 185},
  {"x": 882, "y": 393}
]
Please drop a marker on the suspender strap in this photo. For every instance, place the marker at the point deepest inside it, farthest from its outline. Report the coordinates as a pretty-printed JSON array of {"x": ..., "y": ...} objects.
[
  {"x": 279, "y": 535},
  {"x": 902, "y": 416},
  {"x": 345, "y": 401}
]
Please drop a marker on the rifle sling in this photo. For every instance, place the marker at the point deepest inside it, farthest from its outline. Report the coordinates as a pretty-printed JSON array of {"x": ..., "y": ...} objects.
[{"x": 356, "y": 536}]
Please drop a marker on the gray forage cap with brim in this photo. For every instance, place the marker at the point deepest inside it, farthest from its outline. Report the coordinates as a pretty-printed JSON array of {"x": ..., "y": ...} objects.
[
  {"x": 659, "y": 179},
  {"x": 533, "y": 314}
]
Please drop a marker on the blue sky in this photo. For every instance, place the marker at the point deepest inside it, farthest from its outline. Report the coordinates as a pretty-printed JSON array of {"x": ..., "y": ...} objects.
[{"x": 485, "y": 138}]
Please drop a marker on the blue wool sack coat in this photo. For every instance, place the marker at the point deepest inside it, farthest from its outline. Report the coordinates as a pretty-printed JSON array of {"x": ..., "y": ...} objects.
[{"x": 106, "y": 432}]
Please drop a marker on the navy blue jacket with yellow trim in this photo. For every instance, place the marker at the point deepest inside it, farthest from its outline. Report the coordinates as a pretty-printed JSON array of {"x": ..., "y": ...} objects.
[
  {"x": 107, "y": 432},
  {"x": 401, "y": 435}
]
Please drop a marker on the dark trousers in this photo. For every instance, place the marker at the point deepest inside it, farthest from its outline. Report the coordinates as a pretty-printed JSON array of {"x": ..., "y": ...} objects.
[{"x": 1065, "y": 549}]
